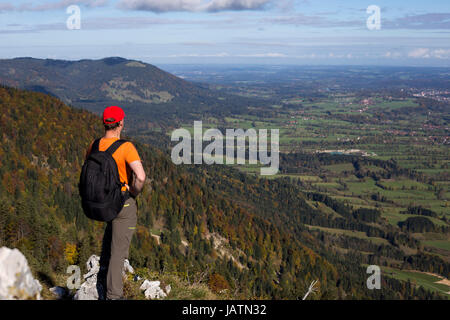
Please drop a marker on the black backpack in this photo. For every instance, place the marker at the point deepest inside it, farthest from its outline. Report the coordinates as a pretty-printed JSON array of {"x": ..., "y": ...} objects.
[{"x": 100, "y": 185}]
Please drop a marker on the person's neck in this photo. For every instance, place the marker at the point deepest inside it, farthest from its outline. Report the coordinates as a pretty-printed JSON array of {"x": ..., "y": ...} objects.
[{"x": 112, "y": 134}]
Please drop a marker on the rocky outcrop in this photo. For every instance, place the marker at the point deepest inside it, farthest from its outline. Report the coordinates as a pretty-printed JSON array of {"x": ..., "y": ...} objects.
[
  {"x": 16, "y": 280},
  {"x": 152, "y": 290},
  {"x": 59, "y": 292},
  {"x": 127, "y": 268},
  {"x": 90, "y": 290}
]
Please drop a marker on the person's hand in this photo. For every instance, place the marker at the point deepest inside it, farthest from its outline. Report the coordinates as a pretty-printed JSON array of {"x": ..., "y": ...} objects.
[{"x": 131, "y": 192}]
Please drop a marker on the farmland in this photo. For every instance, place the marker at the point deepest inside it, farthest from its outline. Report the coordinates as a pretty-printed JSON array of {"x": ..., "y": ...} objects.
[{"x": 381, "y": 150}]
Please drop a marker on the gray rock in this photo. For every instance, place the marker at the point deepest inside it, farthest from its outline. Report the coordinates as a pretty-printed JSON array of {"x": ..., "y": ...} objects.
[
  {"x": 93, "y": 266},
  {"x": 127, "y": 267},
  {"x": 89, "y": 290},
  {"x": 59, "y": 292},
  {"x": 168, "y": 289},
  {"x": 16, "y": 280},
  {"x": 152, "y": 290}
]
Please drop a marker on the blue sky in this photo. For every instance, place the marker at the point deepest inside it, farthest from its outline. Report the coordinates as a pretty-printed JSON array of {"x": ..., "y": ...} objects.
[{"x": 311, "y": 32}]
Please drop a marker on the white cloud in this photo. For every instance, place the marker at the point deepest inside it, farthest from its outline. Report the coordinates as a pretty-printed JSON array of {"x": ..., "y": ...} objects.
[
  {"x": 227, "y": 55},
  {"x": 263, "y": 55},
  {"x": 392, "y": 54},
  {"x": 6, "y": 7},
  {"x": 419, "y": 53},
  {"x": 192, "y": 5},
  {"x": 198, "y": 55},
  {"x": 426, "y": 53},
  {"x": 54, "y": 5},
  {"x": 160, "y": 5},
  {"x": 441, "y": 54},
  {"x": 220, "y": 5}
]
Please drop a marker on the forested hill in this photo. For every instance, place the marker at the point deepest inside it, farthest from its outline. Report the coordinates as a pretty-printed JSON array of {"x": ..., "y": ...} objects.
[
  {"x": 96, "y": 82},
  {"x": 242, "y": 236},
  {"x": 150, "y": 93},
  {"x": 183, "y": 224}
]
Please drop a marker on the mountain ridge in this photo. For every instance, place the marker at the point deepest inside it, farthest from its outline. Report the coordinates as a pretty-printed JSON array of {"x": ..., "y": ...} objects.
[{"x": 143, "y": 90}]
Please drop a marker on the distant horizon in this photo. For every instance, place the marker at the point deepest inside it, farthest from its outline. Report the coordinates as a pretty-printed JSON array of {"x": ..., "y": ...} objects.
[{"x": 266, "y": 64}]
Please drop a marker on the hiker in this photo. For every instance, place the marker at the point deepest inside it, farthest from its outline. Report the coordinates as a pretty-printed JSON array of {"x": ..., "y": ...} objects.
[{"x": 121, "y": 222}]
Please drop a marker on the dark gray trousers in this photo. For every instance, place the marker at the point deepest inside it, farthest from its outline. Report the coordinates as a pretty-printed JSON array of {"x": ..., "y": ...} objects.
[{"x": 115, "y": 249}]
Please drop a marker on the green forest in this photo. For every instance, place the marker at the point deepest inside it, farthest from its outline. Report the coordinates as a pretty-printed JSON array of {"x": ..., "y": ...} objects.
[{"x": 257, "y": 238}]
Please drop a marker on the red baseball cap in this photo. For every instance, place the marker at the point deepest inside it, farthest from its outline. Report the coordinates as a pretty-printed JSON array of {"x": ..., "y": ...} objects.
[{"x": 113, "y": 112}]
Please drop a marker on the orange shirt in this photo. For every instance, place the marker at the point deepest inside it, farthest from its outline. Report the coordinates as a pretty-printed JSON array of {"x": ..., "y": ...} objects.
[{"x": 125, "y": 155}]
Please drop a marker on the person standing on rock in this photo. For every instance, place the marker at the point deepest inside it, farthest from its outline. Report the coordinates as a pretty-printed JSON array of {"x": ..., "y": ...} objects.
[{"x": 119, "y": 230}]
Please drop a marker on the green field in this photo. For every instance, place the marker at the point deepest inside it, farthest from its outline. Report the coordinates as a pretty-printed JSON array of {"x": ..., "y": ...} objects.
[
  {"x": 328, "y": 125},
  {"x": 424, "y": 280},
  {"x": 350, "y": 233},
  {"x": 441, "y": 244}
]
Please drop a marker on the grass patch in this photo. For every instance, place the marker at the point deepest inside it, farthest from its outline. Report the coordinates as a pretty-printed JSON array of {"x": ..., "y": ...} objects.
[
  {"x": 350, "y": 233},
  {"x": 424, "y": 280},
  {"x": 440, "y": 244}
]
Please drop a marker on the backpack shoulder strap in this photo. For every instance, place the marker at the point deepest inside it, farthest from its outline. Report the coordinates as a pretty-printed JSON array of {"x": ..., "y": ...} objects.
[
  {"x": 113, "y": 148},
  {"x": 96, "y": 146}
]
